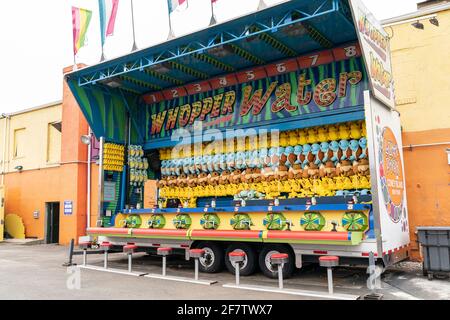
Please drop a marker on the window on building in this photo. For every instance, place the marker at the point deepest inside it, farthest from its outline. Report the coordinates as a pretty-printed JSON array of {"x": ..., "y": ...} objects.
[
  {"x": 54, "y": 142},
  {"x": 19, "y": 143}
]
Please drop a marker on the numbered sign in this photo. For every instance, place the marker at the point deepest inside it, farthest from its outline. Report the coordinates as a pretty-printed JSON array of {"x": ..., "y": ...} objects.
[
  {"x": 174, "y": 93},
  {"x": 282, "y": 67},
  {"x": 225, "y": 81},
  {"x": 196, "y": 88},
  {"x": 152, "y": 98},
  {"x": 347, "y": 52},
  {"x": 315, "y": 59},
  {"x": 252, "y": 75}
]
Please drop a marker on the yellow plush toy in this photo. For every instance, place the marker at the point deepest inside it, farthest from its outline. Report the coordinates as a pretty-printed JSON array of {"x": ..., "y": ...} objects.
[
  {"x": 284, "y": 139},
  {"x": 344, "y": 132},
  {"x": 363, "y": 129},
  {"x": 302, "y": 137},
  {"x": 333, "y": 134},
  {"x": 322, "y": 134},
  {"x": 312, "y": 136},
  {"x": 355, "y": 130},
  {"x": 293, "y": 140}
]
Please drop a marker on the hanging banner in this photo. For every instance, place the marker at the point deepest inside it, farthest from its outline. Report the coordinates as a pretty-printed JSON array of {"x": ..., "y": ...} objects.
[
  {"x": 270, "y": 94},
  {"x": 375, "y": 45}
]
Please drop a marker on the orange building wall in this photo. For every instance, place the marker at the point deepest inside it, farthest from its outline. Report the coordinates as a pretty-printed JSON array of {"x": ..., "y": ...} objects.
[
  {"x": 427, "y": 181},
  {"x": 29, "y": 190}
]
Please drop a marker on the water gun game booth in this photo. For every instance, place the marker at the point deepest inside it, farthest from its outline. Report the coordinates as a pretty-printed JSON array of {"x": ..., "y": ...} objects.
[{"x": 273, "y": 133}]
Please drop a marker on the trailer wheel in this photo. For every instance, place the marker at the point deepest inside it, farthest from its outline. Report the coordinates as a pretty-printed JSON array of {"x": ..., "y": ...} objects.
[
  {"x": 265, "y": 265},
  {"x": 248, "y": 267},
  {"x": 212, "y": 261}
]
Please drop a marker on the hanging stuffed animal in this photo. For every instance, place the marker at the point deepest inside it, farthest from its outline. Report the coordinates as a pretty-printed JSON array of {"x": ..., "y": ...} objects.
[
  {"x": 274, "y": 159},
  {"x": 213, "y": 178},
  {"x": 345, "y": 148},
  {"x": 264, "y": 159},
  {"x": 363, "y": 146},
  {"x": 363, "y": 129},
  {"x": 306, "y": 155},
  {"x": 284, "y": 139},
  {"x": 186, "y": 166},
  {"x": 328, "y": 169},
  {"x": 315, "y": 150},
  {"x": 231, "y": 161},
  {"x": 302, "y": 137},
  {"x": 333, "y": 133},
  {"x": 354, "y": 147},
  {"x": 198, "y": 164},
  {"x": 355, "y": 130},
  {"x": 345, "y": 168},
  {"x": 282, "y": 155},
  {"x": 325, "y": 151},
  {"x": 312, "y": 136},
  {"x": 240, "y": 160},
  {"x": 216, "y": 163},
  {"x": 344, "y": 132},
  {"x": 322, "y": 134},
  {"x": 224, "y": 177},
  {"x": 295, "y": 172},
  {"x": 293, "y": 140},
  {"x": 290, "y": 156},
  {"x": 298, "y": 149}
]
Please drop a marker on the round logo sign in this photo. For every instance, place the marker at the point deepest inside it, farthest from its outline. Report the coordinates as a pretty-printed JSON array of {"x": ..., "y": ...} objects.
[{"x": 391, "y": 174}]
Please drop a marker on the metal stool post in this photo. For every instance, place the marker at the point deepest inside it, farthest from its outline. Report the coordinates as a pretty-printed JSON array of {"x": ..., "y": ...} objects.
[
  {"x": 85, "y": 246},
  {"x": 196, "y": 254},
  {"x": 129, "y": 249},
  {"x": 329, "y": 262},
  {"x": 279, "y": 259},
  {"x": 164, "y": 252},
  {"x": 106, "y": 246},
  {"x": 236, "y": 258}
]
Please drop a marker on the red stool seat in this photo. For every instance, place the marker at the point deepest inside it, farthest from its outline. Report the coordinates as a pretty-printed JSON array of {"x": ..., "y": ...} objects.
[
  {"x": 196, "y": 253},
  {"x": 106, "y": 245},
  {"x": 237, "y": 256},
  {"x": 279, "y": 258},
  {"x": 130, "y": 248},
  {"x": 85, "y": 245},
  {"x": 164, "y": 251},
  {"x": 329, "y": 261}
]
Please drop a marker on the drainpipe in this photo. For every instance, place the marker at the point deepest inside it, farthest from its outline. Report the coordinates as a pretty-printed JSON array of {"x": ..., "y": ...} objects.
[
  {"x": 88, "y": 209},
  {"x": 101, "y": 175},
  {"x": 5, "y": 149}
]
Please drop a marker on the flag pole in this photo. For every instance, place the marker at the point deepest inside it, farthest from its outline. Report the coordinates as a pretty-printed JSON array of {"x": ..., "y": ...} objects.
[
  {"x": 134, "y": 31},
  {"x": 102, "y": 32},
  {"x": 171, "y": 34},
  {"x": 73, "y": 42},
  {"x": 213, "y": 18},
  {"x": 262, "y": 5}
]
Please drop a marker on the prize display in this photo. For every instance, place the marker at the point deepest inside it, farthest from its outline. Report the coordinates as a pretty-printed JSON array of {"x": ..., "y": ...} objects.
[
  {"x": 320, "y": 161},
  {"x": 138, "y": 165},
  {"x": 113, "y": 157}
]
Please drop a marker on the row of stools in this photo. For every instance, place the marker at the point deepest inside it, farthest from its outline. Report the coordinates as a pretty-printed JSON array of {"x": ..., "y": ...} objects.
[{"x": 277, "y": 260}]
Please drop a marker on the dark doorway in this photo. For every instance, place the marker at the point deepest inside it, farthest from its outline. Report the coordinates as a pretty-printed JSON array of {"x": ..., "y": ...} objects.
[{"x": 52, "y": 222}]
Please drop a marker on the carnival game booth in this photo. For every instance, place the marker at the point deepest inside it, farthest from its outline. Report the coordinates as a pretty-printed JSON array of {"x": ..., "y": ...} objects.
[{"x": 273, "y": 132}]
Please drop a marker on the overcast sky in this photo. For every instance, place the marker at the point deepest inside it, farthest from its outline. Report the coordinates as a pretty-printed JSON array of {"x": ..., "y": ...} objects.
[{"x": 36, "y": 38}]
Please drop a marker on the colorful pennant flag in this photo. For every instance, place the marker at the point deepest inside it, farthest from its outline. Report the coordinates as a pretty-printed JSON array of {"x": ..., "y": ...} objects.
[
  {"x": 81, "y": 19},
  {"x": 178, "y": 5},
  {"x": 108, "y": 14}
]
